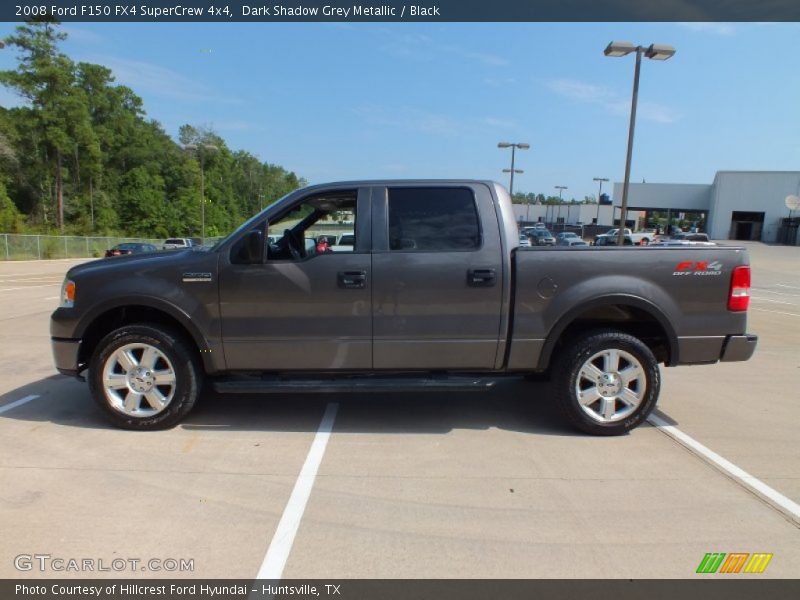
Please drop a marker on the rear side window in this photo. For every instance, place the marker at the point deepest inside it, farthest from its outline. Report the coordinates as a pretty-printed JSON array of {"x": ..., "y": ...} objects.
[{"x": 433, "y": 219}]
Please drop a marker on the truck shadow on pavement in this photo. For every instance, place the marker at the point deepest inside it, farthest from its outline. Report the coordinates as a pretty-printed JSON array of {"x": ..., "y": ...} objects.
[{"x": 513, "y": 405}]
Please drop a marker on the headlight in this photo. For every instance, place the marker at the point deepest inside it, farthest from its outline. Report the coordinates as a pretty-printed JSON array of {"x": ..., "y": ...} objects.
[{"x": 68, "y": 293}]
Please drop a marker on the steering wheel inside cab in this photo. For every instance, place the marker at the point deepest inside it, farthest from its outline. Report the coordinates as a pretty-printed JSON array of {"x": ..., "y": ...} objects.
[{"x": 289, "y": 246}]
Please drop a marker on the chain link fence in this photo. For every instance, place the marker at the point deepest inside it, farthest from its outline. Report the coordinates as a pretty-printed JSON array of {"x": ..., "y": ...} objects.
[{"x": 15, "y": 246}]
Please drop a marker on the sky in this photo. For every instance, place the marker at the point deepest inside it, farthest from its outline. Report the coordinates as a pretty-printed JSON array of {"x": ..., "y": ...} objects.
[{"x": 401, "y": 100}]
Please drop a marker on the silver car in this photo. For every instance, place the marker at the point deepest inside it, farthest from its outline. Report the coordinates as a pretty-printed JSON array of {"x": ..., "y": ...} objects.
[
  {"x": 542, "y": 237},
  {"x": 173, "y": 243}
]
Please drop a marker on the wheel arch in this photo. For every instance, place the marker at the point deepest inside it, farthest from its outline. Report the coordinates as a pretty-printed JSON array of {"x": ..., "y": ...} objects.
[
  {"x": 109, "y": 316},
  {"x": 631, "y": 314}
]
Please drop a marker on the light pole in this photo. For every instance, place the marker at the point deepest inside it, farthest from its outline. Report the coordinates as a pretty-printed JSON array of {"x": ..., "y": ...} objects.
[
  {"x": 512, "y": 170},
  {"x": 200, "y": 148},
  {"x": 599, "y": 193},
  {"x": 654, "y": 52},
  {"x": 560, "y": 189}
]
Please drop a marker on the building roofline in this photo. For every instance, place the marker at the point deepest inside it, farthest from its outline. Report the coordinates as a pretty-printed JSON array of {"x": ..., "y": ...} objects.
[{"x": 759, "y": 172}]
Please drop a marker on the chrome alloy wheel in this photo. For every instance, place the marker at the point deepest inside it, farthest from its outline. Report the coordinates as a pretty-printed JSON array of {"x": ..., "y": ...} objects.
[
  {"x": 610, "y": 385},
  {"x": 138, "y": 380}
]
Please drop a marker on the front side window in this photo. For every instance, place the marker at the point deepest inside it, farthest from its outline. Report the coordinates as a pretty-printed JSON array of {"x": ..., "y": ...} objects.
[
  {"x": 313, "y": 227},
  {"x": 434, "y": 219}
]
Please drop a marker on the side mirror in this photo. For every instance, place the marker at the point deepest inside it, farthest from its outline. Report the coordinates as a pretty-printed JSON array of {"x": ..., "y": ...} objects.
[
  {"x": 254, "y": 245},
  {"x": 249, "y": 249}
]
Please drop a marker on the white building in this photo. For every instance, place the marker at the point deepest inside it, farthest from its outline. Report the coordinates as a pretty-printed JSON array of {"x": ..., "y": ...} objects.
[{"x": 739, "y": 205}]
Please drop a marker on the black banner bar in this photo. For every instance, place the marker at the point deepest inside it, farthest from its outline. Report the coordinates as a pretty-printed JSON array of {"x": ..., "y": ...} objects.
[
  {"x": 704, "y": 587},
  {"x": 392, "y": 10}
]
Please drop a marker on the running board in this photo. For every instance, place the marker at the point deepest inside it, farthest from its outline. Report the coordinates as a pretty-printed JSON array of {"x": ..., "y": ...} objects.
[{"x": 350, "y": 385}]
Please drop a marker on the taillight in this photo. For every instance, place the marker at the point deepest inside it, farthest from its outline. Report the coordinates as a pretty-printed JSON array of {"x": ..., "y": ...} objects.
[{"x": 739, "y": 296}]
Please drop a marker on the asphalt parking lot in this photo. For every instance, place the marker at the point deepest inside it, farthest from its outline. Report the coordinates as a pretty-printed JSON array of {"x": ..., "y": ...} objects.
[{"x": 431, "y": 486}]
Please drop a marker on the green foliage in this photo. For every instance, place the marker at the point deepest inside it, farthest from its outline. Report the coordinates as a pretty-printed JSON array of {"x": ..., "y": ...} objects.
[
  {"x": 81, "y": 157},
  {"x": 10, "y": 217}
]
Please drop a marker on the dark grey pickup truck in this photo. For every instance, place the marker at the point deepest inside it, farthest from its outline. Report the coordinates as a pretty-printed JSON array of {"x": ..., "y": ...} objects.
[{"x": 434, "y": 295}]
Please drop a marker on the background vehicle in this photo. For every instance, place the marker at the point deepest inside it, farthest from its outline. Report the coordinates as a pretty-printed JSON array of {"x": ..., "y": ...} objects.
[
  {"x": 345, "y": 243},
  {"x": 566, "y": 238},
  {"x": 576, "y": 241},
  {"x": 611, "y": 240},
  {"x": 436, "y": 295},
  {"x": 130, "y": 248},
  {"x": 542, "y": 237},
  {"x": 173, "y": 243},
  {"x": 524, "y": 241},
  {"x": 637, "y": 239}
]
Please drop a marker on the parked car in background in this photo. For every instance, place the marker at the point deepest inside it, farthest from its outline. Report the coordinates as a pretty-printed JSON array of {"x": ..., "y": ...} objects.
[
  {"x": 529, "y": 229},
  {"x": 524, "y": 241},
  {"x": 130, "y": 248},
  {"x": 576, "y": 241},
  {"x": 174, "y": 243},
  {"x": 563, "y": 238},
  {"x": 642, "y": 238},
  {"x": 542, "y": 237},
  {"x": 345, "y": 243},
  {"x": 610, "y": 240}
]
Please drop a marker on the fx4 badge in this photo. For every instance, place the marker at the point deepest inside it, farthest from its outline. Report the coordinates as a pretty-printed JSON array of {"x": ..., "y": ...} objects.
[{"x": 698, "y": 267}]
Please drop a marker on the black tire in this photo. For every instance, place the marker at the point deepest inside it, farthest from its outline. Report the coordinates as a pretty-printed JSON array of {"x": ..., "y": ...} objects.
[
  {"x": 185, "y": 364},
  {"x": 571, "y": 360}
]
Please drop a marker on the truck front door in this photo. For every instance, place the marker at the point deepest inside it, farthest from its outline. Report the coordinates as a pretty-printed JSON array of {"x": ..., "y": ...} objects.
[{"x": 305, "y": 305}]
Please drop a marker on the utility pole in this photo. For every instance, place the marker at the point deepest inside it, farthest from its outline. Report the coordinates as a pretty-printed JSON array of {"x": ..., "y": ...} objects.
[{"x": 599, "y": 193}]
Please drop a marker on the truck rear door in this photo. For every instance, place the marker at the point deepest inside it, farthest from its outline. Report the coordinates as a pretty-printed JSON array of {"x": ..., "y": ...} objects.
[{"x": 437, "y": 277}]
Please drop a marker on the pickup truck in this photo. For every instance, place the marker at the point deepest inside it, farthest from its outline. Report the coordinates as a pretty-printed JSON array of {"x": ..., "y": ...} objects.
[
  {"x": 634, "y": 239},
  {"x": 435, "y": 295}
]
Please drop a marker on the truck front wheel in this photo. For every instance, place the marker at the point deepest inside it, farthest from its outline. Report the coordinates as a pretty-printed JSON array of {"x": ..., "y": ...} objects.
[
  {"x": 606, "y": 382},
  {"x": 144, "y": 377}
]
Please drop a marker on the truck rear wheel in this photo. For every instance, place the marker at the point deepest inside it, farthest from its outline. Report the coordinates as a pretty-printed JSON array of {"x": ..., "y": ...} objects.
[
  {"x": 144, "y": 377},
  {"x": 606, "y": 382}
]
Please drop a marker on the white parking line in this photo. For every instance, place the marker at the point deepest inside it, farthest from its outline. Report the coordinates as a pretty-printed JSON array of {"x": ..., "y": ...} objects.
[
  {"x": 17, "y": 403},
  {"x": 788, "y": 507},
  {"x": 281, "y": 545}
]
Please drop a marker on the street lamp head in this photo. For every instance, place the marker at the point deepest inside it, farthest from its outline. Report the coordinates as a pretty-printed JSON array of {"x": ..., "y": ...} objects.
[
  {"x": 659, "y": 52},
  {"x": 515, "y": 171},
  {"x": 600, "y": 179},
  {"x": 504, "y": 145},
  {"x": 523, "y": 146},
  {"x": 617, "y": 49}
]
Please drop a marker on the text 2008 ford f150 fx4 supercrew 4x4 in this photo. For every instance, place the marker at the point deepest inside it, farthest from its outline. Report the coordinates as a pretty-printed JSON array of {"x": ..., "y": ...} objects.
[{"x": 435, "y": 295}]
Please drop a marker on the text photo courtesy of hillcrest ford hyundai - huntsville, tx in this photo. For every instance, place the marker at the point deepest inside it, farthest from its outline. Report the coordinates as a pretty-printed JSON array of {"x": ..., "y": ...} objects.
[{"x": 366, "y": 301}]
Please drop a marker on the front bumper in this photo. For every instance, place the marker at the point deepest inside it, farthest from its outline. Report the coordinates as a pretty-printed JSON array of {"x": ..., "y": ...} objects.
[
  {"x": 65, "y": 355},
  {"x": 739, "y": 347}
]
